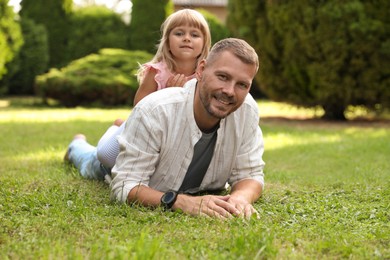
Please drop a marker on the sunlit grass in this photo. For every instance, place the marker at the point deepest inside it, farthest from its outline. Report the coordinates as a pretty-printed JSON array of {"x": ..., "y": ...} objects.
[
  {"x": 64, "y": 115},
  {"x": 267, "y": 109},
  {"x": 277, "y": 109}
]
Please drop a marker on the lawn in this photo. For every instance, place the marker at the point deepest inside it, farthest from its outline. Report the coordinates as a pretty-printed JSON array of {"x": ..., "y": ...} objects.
[{"x": 327, "y": 194}]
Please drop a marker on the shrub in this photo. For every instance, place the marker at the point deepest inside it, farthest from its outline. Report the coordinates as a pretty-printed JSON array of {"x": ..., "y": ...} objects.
[
  {"x": 54, "y": 15},
  {"x": 327, "y": 53},
  {"x": 32, "y": 59},
  {"x": 106, "y": 78},
  {"x": 95, "y": 28},
  {"x": 146, "y": 19},
  {"x": 218, "y": 30},
  {"x": 10, "y": 38}
]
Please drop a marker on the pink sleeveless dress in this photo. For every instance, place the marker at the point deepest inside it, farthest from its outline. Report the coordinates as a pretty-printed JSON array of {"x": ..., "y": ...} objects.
[{"x": 163, "y": 74}]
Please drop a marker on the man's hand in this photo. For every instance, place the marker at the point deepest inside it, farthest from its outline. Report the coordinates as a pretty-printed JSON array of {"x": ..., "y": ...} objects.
[
  {"x": 243, "y": 194},
  {"x": 238, "y": 204},
  {"x": 176, "y": 81},
  {"x": 208, "y": 205},
  {"x": 243, "y": 206}
]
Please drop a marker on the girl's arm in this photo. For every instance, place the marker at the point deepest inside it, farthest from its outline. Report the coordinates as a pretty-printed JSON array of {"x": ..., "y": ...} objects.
[{"x": 148, "y": 85}]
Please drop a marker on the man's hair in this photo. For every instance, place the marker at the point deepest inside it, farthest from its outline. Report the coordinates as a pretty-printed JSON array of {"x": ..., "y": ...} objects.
[{"x": 239, "y": 48}]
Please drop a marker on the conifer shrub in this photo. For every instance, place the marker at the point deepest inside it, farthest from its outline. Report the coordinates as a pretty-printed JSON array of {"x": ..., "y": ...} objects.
[
  {"x": 55, "y": 16},
  {"x": 31, "y": 61},
  {"x": 218, "y": 30},
  {"x": 332, "y": 54},
  {"x": 95, "y": 28},
  {"x": 146, "y": 19},
  {"x": 11, "y": 38},
  {"x": 103, "y": 79}
]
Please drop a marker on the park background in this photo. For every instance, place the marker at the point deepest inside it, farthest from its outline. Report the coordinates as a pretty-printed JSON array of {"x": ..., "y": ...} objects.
[{"x": 323, "y": 95}]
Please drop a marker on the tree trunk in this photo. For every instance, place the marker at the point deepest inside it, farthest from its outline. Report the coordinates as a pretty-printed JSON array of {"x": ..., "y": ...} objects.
[{"x": 334, "y": 111}]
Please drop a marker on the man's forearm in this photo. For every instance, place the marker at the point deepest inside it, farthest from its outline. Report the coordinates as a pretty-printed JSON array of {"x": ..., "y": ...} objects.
[
  {"x": 195, "y": 205},
  {"x": 146, "y": 196},
  {"x": 250, "y": 190}
]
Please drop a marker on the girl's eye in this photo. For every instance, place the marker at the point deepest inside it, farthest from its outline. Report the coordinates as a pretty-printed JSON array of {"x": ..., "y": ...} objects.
[
  {"x": 178, "y": 33},
  {"x": 195, "y": 35}
]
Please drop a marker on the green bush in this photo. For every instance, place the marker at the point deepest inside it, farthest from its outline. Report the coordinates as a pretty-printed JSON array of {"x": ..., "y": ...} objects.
[
  {"x": 10, "y": 38},
  {"x": 327, "y": 53},
  {"x": 146, "y": 19},
  {"x": 218, "y": 30},
  {"x": 95, "y": 28},
  {"x": 54, "y": 15},
  {"x": 106, "y": 78},
  {"x": 32, "y": 59}
]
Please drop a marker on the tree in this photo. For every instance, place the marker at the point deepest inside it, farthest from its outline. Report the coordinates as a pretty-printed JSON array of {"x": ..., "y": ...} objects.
[
  {"x": 94, "y": 28},
  {"x": 103, "y": 78},
  {"x": 10, "y": 37},
  {"x": 146, "y": 19},
  {"x": 31, "y": 60},
  {"x": 54, "y": 15},
  {"x": 327, "y": 53},
  {"x": 218, "y": 30}
]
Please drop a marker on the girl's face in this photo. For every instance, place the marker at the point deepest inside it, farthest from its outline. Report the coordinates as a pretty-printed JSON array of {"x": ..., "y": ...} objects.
[{"x": 186, "y": 42}]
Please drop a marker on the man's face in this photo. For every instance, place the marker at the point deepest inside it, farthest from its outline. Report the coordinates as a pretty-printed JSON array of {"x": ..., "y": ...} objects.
[{"x": 223, "y": 85}]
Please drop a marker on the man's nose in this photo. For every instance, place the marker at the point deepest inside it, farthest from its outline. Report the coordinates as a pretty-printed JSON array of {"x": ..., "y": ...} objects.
[{"x": 228, "y": 89}]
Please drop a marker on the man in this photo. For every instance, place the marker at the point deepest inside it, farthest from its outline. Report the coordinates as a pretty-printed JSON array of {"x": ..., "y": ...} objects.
[{"x": 180, "y": 142}]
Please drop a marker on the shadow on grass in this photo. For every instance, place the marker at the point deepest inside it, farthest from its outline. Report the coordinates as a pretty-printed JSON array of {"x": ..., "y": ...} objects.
[{"x": 321, "y": 123}]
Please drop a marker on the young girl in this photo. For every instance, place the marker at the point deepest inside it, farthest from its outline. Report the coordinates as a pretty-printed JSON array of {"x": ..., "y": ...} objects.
[{"x": 185, "y": 42}]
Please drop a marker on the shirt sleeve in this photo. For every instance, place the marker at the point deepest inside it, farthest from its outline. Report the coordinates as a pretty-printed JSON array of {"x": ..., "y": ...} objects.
[
  {"x": 138, "y": 156},
  {"x": 249, "y": 163}
]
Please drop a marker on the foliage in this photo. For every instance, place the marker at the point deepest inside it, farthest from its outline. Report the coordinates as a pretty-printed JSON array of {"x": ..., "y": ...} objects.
[
  {"x": 31, "y": 61},
  {"x": 10, "y": 38},
  {"x": 106, "y": 78},
  {"x": 94, "y": 28},
  {"x": 327, "y": 53},
  {"x": 218, "y": 30},
  {"x": 324, "y": 198},
  {"x": 54, "y": 15},
  {"x": 146, "y": 19}
]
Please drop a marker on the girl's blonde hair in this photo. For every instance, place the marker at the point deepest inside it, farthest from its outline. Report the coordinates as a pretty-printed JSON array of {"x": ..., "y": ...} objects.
[{"x": 182, "y": 17}]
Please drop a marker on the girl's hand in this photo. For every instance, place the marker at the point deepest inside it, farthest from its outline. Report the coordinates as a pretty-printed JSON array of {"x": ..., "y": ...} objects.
[{"x": 176, "y": 81}]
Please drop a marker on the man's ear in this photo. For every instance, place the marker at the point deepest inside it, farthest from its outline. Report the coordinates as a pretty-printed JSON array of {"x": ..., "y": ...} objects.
[{"x": 200, "y": 69}]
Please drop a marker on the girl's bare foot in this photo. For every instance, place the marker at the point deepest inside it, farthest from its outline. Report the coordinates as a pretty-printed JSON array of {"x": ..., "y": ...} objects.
[
  {"x": 79, "y": 136},
  {"x": 118, "y": 122}
]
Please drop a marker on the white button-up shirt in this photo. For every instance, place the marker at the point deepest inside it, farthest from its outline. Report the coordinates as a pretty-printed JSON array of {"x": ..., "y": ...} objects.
[{"x": 157, "y": 145}]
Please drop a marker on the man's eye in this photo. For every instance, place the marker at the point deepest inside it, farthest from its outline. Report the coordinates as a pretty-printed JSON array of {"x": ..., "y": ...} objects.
[
  {"x": 243, "y": 85},
  {"x": 222, "y": 77}
]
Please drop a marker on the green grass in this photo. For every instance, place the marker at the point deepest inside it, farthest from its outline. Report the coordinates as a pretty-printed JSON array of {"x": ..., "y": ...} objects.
[{"x": 327, "y": 194}]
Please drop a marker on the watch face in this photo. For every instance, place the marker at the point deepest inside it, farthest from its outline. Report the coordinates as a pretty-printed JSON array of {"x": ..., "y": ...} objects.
[
  {"x": 168, "y": 199},
  {"x": 169, "y": 196}
]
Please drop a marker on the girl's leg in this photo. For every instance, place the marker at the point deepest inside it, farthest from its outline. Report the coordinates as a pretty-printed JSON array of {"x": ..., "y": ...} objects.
[
  {"x": 108, "y": 146},
  {"x": 83, "y": 156}
]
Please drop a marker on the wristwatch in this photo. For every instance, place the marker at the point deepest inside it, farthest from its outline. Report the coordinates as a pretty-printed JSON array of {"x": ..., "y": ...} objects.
[{"x": 168, "y": 199}]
